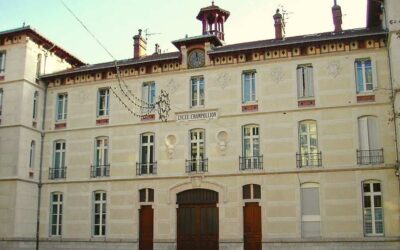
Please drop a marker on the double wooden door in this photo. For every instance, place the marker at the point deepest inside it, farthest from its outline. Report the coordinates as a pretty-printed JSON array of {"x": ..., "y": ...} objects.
[
  {"x": 252, "y": 226},
  {"x": 197, "y": 227},
  {"x": 146, "y": 219}
]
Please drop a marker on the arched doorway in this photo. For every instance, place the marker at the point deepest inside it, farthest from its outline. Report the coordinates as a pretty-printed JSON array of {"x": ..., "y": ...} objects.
[{"x": 197, "y": 220}]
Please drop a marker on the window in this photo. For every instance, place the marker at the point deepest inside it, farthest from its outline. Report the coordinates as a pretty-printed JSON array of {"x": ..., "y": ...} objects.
[
  {"x": 2, "y": 62},
  {"x": 146, "y": 195},
  {"x": 370, "y": 151},
  {"x": 59, "y": 169},
  {"x": 38, "y": 65},
  {"x": 56, "y": 208},
  {"x": 251, "y": 158},
  {"x": 1, "y": 100},
  {"x": 198, "y": 161},
  {"x": 197, "y": 91},
  {"x": 305, "y": 81},
  {"x": 147, "y": 164},
  {"x": 32, "y": 156},
  {"x": 103, "y": 102},
  {"x": 365, "y": 75},
  {"x": 99, "y": 213},
  {"x": 101, "y": 167},
  {"x": 249, "y": 86},
  {"x": 251, "y": 191},
  {"x": 310, "y": 211},
  {"x": 62, "y": 105},
  {"x": 373, "y": 210},
  {"x": 308, "y": 144},
  {"x": 35, "y": 105},
  {"x": 149, "y": 96}
]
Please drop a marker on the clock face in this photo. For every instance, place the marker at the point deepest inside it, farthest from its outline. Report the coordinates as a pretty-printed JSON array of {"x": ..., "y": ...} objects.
[{"x": 196, "y": 58}]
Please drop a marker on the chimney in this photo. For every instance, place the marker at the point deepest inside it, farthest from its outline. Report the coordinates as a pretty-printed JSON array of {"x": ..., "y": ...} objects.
[
  {"x": 337, "y": 17},
  {"x": 157, "y": 49},
  {"x": 139, "y": 45},
  {"x": 278, "y": 25}
]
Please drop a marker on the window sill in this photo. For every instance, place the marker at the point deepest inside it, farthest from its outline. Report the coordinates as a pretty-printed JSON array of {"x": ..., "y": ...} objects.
[
  {"x": 102, "y": 121},
  {"x": 2, "y": 77},
  {"x": 60, "y": 125},
  {"x": 365, "y": 97},
  {"x": 148, "y": 117},
  {"x": 306, "y": 102},
  {"x": 249, "y": 107}
]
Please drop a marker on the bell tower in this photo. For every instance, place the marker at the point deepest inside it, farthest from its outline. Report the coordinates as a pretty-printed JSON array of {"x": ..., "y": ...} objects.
[{"x": 213, "y": 19}]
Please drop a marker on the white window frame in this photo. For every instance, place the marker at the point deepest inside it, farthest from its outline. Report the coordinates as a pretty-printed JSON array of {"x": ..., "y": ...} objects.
[
  {"x": 2, "y": 62},
  {"x": 197, "y": 99},
  {"x": 198, "y": 143},
  {"x": 146, "y": 164},
  {"x": 58, "y": 204},
  {"x": 364, "y": 69},
  {"x": 310, "y": 154},
  {"x": 251, "y": 159},
  {"x": 101, "y": 151},
  {"x": 35, "y": 105},
  {"x": 62, "y": 102},
  {"x": 103, "y": 100},
  {"x": 149, "y": 96},
  {"x": 372, "y": 194},
  {"x": 315, "y": 217},
  {"x": 58, "y": 167},
  {"x": 368, "y": 133},
  {"x": 101, "y": 204},
  {"x": 32, "y": 155},
  {"x": 305, "y": 81},
  {"x": 249, "y": 78},
  {"x": 1, "y": 100}
]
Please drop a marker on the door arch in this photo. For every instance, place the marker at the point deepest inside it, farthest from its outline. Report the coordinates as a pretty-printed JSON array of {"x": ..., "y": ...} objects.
[{"x": 197, "y": 220}]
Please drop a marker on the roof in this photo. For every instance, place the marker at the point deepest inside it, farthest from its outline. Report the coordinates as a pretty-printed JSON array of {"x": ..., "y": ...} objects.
[
  {"x": 119, "y": 63},
  {"x": 41, "y": 40},
  {"x": 212, "y": 8},
  {"x": 327, "y": 36},
  {"x": 198, "y": 39}
]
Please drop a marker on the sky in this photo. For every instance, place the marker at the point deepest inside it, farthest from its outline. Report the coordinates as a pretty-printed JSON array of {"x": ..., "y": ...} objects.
[{"x": 115, "y": 22}]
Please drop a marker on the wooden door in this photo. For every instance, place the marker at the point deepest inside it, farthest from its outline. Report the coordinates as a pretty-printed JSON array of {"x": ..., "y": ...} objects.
[
  {"x": 252, "y": 226},
  {"x": 146, "y": 222},
  {"x": 197, "y": 227}
]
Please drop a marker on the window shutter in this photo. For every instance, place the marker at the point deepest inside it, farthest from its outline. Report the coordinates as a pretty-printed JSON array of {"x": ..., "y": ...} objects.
[
  {"x": 374, "y": 73},
  {"x": 300, "y": 90},
  {"x": 363, "y": 133},
  {"x": 310, "y": 211},
  {"x": 373, "y": 133},
  {"x": 309, "y": 82},
  {"x": 359, "y": 76}
]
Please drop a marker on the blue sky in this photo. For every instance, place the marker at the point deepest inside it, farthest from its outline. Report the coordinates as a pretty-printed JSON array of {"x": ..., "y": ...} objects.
[{"x": 114, "y": 22}]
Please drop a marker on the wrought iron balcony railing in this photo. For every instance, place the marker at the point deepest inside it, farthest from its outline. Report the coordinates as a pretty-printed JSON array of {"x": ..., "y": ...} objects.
[
  {"x": 197, "y": 166},
  {"x": 146, "y": 168},
  {"x": 57, "y": 173},
  {"x": 250, "y": 162},
  {"x": 369, "y": 157},
  {"x": 99, "y": 170},
  {"x": 309, "y": 159}
]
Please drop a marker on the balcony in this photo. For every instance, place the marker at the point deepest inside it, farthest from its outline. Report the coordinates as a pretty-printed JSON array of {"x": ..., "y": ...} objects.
[
  {"x": 370, "y": 157},
  {"x": 100, "y": 171},
  {"x": 57, "y": 173},
  {"x": 197, "y": 166},
  {"x": 251, "y": 163},
  {"x": 146, "y": 168},
  {"x": 309, "y": 160}
]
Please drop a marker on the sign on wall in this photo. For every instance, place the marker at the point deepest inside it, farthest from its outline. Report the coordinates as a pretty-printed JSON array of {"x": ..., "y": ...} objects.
[{"x": 193, "y": 116}]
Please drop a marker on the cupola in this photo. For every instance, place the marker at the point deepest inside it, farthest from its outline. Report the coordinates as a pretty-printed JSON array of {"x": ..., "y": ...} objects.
[{"x": 213, "y": 19}]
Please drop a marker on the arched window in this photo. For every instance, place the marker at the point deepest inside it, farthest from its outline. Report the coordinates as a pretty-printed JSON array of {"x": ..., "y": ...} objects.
[
  {"x": 310, "y": 210},
  {"x": 370, "y": 150},
  {"x": 308, "y": 145},
  {"x": 56, "y": 208},
  {"x": 101, "y": 165},
  {"x": 198, "y": 159},
  {"x": 59, "y": 168},
  {"x": 147, "y": 163},
  {"x": 251, "y": 158},
  {"x": 99, "y": 213},
  {"x": 373, "y": 208}
]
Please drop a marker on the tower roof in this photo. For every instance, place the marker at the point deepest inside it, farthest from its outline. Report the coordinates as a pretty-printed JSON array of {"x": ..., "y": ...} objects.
[{"x": 212, "y": 8}]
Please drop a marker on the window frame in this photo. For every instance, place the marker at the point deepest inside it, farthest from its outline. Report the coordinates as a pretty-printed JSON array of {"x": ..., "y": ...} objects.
[
  {"x": 149, "y": 94},
  {"x": 35, "y": 105},
  {"x": 372, "y": 207},
  {"x": 102, "y": 211},
  {"x": 3, "y": 62},
  {"x": 32, "y": 151},
  {"x": 364, "y": 83},
  {"x": 101, "y": 154},
  {"x": 59, "y": 214},
  {"x": 314, "y": 217},
  {"x": 63, "y": 97},
  {"x": 106, "y": 103},
  {"x": 305, "y": 81},
  {"x": 1, "y": 100},
  {"x": 62, "y": 151},
  {"x": 252, "y": 86},
  {"x": 199, "y": 143},
  {"x": 198, "y": 83},
  {"x": 252, "y": 137}
]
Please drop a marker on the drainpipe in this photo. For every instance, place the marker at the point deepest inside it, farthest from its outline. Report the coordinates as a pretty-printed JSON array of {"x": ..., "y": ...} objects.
[{"x": 42, "y": 134}]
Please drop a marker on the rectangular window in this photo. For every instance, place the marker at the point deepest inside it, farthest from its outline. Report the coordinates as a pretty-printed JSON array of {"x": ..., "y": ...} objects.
[
  {"x": 62, "y": 105},
  {"x": 147, "y": 160},
  {"x": 305, "y": 81},
  {"x": 58, "y": 170},
  {"x": 32, "y": 155},
  {"x": 370, "y": 150},
  {"x": 197, "y": 91},
  {"x": 365, "y": 75},
  {"x": 310, "y": 212},
  {"x": 56, "y": 208},
  {"x": 373, "y": 209},
  {"x": 103, "y": 102},
  {"x": 2, "y": 62},
  {"x": 149, "y": 96},
  {"x": 101, "y": 166},
  {"x": 251, "y": 148},
  {"x": 198, "y": 161},
  {"x": 249, "y": 86},
  {"x": 1, "y": 101},
  {"x": 99, "y": 213},
  {"x": 308, "y": 145},
  {"x": 38, "y": 65},
  {"x": 35, "y": 105}
]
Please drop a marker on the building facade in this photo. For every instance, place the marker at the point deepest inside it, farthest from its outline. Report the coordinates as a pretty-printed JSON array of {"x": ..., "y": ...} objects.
[{"x": 286, "y": 143}]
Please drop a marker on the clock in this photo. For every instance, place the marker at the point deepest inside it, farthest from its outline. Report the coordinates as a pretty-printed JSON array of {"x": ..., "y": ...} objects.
[{"x": 196, "y": 58}]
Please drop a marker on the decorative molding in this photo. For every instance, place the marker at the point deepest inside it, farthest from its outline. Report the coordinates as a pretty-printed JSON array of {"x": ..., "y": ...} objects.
[{"x": 334, "y": 68}]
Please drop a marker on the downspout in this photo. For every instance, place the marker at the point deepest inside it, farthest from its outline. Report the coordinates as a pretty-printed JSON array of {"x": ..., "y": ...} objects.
[{"x": 42, "y": 134}]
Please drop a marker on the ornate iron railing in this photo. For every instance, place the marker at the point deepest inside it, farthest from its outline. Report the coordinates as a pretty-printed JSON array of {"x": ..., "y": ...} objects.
[
  {"x": 369, "y": 157},
  {"x": 146, "y": 168},
  {"x": 309, "y": 159},
  {"x": 57, "y": 173},
  {"x": 99, "y": 170},
  {"x": 250, "y": 162},
  {"x": 197, "y": 166}
]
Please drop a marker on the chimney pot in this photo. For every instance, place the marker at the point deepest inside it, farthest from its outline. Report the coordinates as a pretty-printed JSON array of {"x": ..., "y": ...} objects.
[
  {"x": 139, "y": 45},
  {"x": 278, "y": 25},
  {"x": 337, "y": 17}
]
